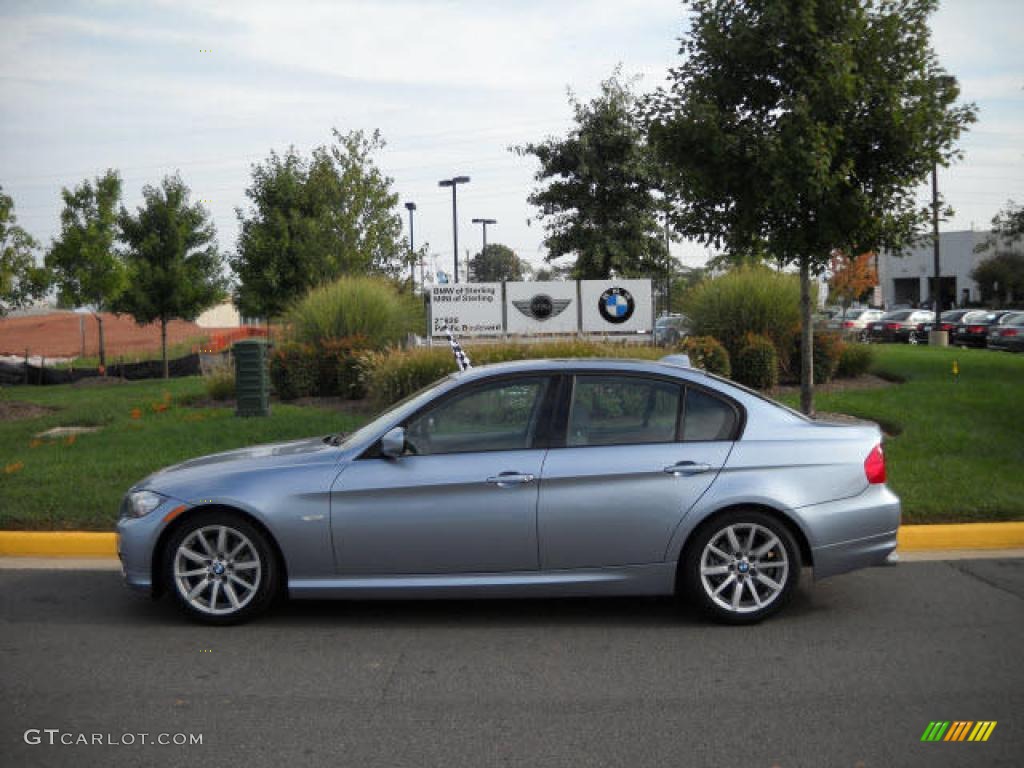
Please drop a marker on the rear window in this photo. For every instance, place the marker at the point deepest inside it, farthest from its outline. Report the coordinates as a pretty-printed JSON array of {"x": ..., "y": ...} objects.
[
  {"x": 707, "y": 417},
  {"x": 975, "y": 317},
  {"x": 1014, "y": 319},
  {"x": 898, "y": 315}
]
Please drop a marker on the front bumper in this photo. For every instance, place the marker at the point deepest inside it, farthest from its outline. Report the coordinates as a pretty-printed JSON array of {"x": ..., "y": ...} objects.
[{"x": 136, "y": 541}]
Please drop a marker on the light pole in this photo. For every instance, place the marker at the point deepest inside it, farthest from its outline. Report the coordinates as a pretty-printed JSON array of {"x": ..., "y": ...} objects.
[
  {"x": 454, "y": 184},
  {"x": 410, "y": 207},
  {"x": 937, "y": 335},
  {"x": 484, "y": 223}
]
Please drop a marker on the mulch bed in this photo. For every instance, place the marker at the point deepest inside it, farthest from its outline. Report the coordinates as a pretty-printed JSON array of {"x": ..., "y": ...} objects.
[
  {"x": 14, "y": 410},
  {"x": 867, "y": 381}
]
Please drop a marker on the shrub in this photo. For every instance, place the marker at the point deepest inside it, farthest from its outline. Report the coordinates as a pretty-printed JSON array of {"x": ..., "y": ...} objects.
[
  {"x": 746, "y": 300},
  {"x": 338, "y": 368},
  {"x": 828, "y": 349},
  {"x": 757, "y": 364},
  {"x": 854, "y": 360},
  {"x": 295, "y": 370},
  {"x": 390, "y": 375},
  {"x": 370, "y": 309},
  {"x": 708, "y": 353},
  {"x": 219, "y": 380}
]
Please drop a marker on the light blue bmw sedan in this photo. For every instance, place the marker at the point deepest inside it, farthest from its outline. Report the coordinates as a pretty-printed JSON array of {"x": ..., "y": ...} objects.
[{"x": 543, "y": 478}]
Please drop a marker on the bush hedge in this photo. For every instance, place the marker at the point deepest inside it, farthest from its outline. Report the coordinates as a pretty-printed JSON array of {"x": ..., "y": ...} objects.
[
  {"x": 828, "y": 349},
  {"x": 295, "y": 370},
  {"x": 746, "y": 300},
  {"x": 757, "y": 363},
  {"x": 855, "y": 360},
  {"x": 708, "y": 353}
]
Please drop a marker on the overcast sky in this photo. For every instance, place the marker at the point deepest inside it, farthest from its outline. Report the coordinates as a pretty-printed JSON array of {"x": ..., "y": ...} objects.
[{"x": 208, "y": 88}]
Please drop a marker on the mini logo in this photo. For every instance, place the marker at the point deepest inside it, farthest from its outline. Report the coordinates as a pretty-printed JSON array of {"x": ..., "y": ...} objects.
[
  {"x": 616, "y": 305},
  {"x": 541, "y": 307},
  {"x": 958, "y": 730}
]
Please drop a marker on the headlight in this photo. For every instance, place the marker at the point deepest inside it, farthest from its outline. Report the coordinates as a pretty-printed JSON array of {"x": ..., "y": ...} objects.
[{"x": 140, "y": 503}]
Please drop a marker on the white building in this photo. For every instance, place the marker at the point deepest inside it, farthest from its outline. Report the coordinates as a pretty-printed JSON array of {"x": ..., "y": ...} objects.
[{"x": 907, "y": 278}]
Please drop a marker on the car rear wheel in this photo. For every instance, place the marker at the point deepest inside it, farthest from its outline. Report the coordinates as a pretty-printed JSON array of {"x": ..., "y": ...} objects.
[
  {"x": 742, "y": 567},
  {"x": 220, "y": 568}
]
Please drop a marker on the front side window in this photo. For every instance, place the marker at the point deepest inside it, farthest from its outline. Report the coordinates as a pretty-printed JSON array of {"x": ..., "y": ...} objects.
[
  {"x": 499, "y": 416},
  {"x": 622, "y": 410}
]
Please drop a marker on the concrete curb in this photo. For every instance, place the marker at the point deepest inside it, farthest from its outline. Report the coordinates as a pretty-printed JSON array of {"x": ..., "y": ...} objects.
[{"x": 912, "y": 538}]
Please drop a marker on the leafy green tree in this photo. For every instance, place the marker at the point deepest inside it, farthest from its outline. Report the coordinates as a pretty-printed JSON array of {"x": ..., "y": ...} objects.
[
  {"x": 1007, "y": 227},
  {"x": 312, "y": 220},
  {"x": 21, "y": 280},
  {"x": 174, "y": 268},
  {"x": 87, "y": 270},
  {"x": 806, "y": 125},
  {"x": 496, "y": 263},
  {"x": 1000, "y": 277},
  {"x": 596, "y": 194}
]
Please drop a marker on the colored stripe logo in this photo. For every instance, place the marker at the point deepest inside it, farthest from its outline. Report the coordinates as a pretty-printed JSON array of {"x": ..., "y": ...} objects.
[{"x": 958, "y": 730}]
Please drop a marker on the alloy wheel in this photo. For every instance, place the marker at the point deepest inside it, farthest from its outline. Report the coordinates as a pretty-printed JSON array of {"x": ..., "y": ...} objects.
[
  {"x": 217, "y": 570},
  {"x": 744, "y": 568}
]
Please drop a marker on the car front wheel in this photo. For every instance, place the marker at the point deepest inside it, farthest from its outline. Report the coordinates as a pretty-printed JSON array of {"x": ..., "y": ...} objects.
[
  {"x": 742, "y": 567},
  {"x": 220, "y": 568}
]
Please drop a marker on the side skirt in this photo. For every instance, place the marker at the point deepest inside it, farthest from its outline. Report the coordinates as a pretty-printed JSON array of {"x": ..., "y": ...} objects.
[{"x": 651, "y": 579}]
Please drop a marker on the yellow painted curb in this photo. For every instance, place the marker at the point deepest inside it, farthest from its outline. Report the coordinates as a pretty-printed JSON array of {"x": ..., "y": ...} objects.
[
  {"x": 916, "y": 538},
  {"x": 911, "y": 538},
  {"x": 58, "y": 544}
]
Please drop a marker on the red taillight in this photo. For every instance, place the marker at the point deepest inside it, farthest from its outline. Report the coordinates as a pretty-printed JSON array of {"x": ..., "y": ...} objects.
[
  {"x": 948, "y": 326},
  {"x": 1009, "y": 332},
  {"x": 893, "y": 326},
  {"x": 976, "y": 329},
  {"x": 848, "y": 324},
  {"x": 874, "y": 465}
]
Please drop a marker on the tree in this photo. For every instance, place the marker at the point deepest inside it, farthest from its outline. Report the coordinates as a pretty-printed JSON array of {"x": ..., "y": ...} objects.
[
  {"x": 808, "y": 125},
  {"x": 312, "y": 220},
  {"x": 496, "y": 263},
  {"x": 21, "y": 280},
  {"x": 851, "y": 277},
  {"x": 597, "y": 196},
  {"x": 174, "y": 268},
  {"x": 86, "y": 268},
  {"x": 1000, "y": 277},
  {"x": 1007, "y": 227}
]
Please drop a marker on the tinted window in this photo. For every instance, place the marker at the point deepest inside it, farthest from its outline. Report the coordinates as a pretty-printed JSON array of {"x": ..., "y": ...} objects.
[
  {"x": 501, "y": 416},
  {"x": 898, "y": 315},
  {"x": 614, "y": 410},
  {"x": 707, "y": 418}
]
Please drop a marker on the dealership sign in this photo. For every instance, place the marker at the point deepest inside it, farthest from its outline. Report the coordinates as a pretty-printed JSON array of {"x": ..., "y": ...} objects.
[
  {"x": 467, "y": 309},
  {"x": 563, "y": 307}
]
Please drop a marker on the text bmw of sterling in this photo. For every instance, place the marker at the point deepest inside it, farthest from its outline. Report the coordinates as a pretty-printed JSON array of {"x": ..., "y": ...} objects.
[{"x": 528, "y": 479}]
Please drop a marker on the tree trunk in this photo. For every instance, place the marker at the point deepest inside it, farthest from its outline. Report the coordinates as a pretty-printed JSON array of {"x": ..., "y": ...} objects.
[
  {"x": 103, "y": 346},
  {"x": 163, "y": 347},
  {"x": 806, "y": 339}
]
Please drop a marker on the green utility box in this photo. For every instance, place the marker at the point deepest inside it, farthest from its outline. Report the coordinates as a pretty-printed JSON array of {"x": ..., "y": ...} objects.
[{"x": 252, "y": 377}]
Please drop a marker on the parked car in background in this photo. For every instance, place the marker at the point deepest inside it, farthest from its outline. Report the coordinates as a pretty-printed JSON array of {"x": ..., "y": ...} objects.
[
  {"x": 538, "y": 478},
  {"x": 671, "y": 329},
  {"x": 903, "y": 325},
  {"x": 947, "y": 323},
  {"x": 854, "y": 322},
  {"x": 1008, "y": 334},
  {"x": 973, "y": 328}
]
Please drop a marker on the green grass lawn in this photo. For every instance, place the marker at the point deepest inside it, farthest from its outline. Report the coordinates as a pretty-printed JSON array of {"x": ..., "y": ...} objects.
[
  {"x": 957, "y": 452},
  {"x": 56, "y": 485}
]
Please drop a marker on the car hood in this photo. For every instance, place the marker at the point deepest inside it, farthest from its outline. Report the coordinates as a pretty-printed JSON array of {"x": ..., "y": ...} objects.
[{"x": 257, "y": 458}]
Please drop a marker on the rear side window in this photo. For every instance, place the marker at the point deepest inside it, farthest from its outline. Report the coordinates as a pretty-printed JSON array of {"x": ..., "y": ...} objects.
[
  {"x": 707, "y": 417},
  {"x": 622, "y": 410}
]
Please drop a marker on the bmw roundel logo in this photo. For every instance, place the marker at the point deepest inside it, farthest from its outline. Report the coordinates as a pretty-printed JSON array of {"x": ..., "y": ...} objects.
[{"x": 616, "y": 305}]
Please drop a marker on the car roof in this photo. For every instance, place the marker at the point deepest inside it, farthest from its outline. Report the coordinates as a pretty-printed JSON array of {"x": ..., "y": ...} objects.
[{"x": 574, "y": 363}]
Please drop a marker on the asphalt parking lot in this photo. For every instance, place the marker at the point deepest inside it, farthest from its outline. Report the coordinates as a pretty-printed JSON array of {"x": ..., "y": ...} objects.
[{"x": 850, "y": 676}]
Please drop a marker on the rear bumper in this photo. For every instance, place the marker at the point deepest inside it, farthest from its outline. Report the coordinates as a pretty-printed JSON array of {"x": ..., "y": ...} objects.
[{"x": 858, "y": 532}]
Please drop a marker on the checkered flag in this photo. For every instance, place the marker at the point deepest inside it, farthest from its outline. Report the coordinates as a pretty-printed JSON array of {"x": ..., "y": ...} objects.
[{"x": 461, "y": 358}]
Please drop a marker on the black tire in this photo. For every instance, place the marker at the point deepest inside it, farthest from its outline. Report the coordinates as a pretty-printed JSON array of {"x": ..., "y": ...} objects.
[
  {"x": 698, "y": 588},
  {"x": 265, "y": 578}
]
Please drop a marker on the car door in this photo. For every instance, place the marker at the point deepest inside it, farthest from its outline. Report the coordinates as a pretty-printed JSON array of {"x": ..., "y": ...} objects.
[
  {"x": 637, "y": 453},
  {"x": 462, "y": 499}
]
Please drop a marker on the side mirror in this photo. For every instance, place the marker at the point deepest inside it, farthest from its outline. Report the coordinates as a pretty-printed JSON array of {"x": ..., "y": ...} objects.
[{"x": 392, "y": 444}]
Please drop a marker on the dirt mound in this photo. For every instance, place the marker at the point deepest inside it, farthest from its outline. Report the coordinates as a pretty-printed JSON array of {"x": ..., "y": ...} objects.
[{"x": 15, "y": 410}]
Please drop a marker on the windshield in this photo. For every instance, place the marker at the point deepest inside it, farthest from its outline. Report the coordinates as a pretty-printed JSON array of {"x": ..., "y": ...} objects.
[{"x": 403, "y": 407}]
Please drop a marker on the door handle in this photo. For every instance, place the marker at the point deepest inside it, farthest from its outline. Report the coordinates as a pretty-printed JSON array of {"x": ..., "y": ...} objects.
[
  {"x": 686, "y": 468},
  {"x": 510, "y": 479}
]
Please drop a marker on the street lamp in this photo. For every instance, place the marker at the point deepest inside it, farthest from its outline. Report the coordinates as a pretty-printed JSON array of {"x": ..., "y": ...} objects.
[
  {"x": 454, "y": 184},
  {"x": 410, "y": 207},
  {"x": 943, "y": 82},
  {"x": 484, "y": 222}
]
